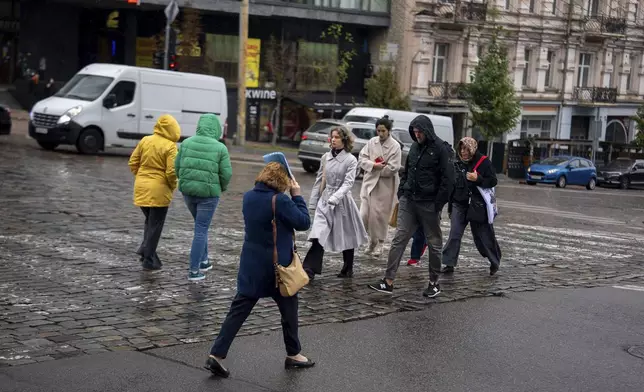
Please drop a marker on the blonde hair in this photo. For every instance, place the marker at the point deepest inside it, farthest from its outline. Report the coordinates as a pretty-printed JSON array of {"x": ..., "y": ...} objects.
[{"x": 274, "y": 176}]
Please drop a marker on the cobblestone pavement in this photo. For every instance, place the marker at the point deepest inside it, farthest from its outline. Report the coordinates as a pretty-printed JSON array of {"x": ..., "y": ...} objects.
[{"x": 71, "y": 284}]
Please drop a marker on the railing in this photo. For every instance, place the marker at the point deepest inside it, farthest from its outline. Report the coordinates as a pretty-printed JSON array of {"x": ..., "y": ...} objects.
[
  {"x": 595, "y": 94},
  {"x": 376, "y": 6},
  {"x": 604, "y": 24},
  {"x": 447, "y": 90},
  {"x": 458, "y": 11}
]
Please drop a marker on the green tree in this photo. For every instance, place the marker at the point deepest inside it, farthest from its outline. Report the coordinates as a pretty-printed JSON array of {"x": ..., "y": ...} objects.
[
  {"x": 281, "y": 64},
  {"x": 491, "y": 97},
  {"x": 336, "y": 73},
  {"x": 639, "y": 125},
  {"x": 383, "y": 91}
]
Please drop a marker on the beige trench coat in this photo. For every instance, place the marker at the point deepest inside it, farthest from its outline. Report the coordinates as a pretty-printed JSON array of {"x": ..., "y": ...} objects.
[{"x": 379, "y": 187}]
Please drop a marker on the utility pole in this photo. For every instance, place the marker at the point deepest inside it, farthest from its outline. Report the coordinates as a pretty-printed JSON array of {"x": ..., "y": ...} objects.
[
  {"x": 171, "y": 11},
  {"x": 241, "y": 78}
]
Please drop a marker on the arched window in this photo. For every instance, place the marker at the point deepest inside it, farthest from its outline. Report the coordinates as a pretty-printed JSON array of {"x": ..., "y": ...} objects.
[{"x": 616, "y": 132}]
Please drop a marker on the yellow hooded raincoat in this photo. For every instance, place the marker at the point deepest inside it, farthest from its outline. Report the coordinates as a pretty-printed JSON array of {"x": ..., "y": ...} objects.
[{"x": 152, "y": 164}]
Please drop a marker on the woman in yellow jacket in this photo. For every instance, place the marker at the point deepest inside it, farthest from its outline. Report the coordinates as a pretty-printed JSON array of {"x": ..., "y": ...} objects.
[{"x": 152, "y": 164}]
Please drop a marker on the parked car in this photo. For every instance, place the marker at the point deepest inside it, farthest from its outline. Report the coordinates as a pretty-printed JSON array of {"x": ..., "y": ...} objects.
[
  {"x": 622, "y": 172},
  {"x": 442, "y": 124},
  {"x": 562, "y": 171},
  {"x": 5, "y": 120},
  {"x": 403, "y": 137},
  {"x": 315, "y": 141}
]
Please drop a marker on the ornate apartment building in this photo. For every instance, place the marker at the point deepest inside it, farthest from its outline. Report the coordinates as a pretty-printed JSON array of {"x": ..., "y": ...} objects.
[{"x": 578, "y": 68}]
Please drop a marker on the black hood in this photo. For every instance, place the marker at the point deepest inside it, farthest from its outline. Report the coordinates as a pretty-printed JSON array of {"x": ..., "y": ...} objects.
[{"x": 424, "y": 124}]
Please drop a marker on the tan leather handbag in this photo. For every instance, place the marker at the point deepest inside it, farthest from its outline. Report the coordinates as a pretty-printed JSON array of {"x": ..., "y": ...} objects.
[
  {"x": 393, "y": 220},
  {"x": 289, "y": 279}
]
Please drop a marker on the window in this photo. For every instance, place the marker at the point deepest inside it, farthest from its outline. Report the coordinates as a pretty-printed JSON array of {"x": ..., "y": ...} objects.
[
  {"x": 316, "y": 66},
  {"x": 540, "y": 128},
  {"x": 554, "y": 7},
  {"x": 222, "y": 54},
  {"x": 439, "y": 68},
  {"x": 508, "y": 4},
  {"x": 526, "y": 70},
  {"x": 364, "y": 133},
  {"x": 591, "y": 7},
  {"x": 585, "y": 164},
  {"x": 613, "y": 60},
  {"x": 124, "y": 92},
  {"x": 532, "y": 5},
  {"x": 629, "y": 79},
  {"x": 574, "y": 164},
  {"x": 85, "y": 87},
  {"x": 635, "y": 12},
  {"x": 639, "y": 166},
  {"x": 584, "y": 70},
  {"x": 549, "y": 71}
]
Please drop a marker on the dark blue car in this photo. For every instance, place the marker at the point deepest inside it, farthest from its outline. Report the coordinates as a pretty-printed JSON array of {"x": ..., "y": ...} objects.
[{"x": 562, "y": 171}]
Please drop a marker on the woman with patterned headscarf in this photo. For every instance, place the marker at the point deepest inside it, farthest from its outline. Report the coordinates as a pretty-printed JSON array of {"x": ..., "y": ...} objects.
[{"x": 466, "y": 205}]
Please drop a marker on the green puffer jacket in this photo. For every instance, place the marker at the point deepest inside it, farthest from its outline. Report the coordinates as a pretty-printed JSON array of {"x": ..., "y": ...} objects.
[{"x": 203, "y": 164}]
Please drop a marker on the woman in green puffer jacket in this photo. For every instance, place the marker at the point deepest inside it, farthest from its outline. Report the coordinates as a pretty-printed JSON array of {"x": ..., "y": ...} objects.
[{"x": 204, "y": 171}]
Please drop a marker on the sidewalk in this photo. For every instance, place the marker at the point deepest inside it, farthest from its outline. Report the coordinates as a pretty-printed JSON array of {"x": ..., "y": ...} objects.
[{"x": 478, "y": 345}]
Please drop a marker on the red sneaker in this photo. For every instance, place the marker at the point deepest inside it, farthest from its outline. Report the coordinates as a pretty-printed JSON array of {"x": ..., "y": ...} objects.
[
  {"x": 424, "y": 249},
  {"x": 413, "y": 262}
]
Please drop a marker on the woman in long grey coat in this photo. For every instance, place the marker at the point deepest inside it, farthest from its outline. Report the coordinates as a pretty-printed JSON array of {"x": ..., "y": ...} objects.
[{"x": 337, "y": 226}]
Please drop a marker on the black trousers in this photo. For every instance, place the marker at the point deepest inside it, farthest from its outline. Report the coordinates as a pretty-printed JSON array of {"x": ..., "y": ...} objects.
[
  {"x": 240, "y": 310},
  {"x": 313, "y": 261},
  {"x": 482, "y": 233},
  {"x": 154, "y": 221}
]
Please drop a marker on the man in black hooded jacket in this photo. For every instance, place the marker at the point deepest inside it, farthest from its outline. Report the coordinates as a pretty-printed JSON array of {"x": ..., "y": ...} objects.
[{"x": 423, "y": 191}]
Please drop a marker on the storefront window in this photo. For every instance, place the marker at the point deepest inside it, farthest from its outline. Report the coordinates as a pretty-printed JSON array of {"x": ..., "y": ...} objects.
[
  {"x": 316, "y": 66},
  {"x": 365, "y": 5},
  {"x": 222, "y": 54}
]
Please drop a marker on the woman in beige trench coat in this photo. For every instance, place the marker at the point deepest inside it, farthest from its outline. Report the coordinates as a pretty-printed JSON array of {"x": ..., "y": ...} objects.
[{"x": 380, "y": 160}]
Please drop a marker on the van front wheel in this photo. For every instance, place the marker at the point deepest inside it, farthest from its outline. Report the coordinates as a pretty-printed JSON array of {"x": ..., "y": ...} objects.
[{"x": 90, "y": 141}]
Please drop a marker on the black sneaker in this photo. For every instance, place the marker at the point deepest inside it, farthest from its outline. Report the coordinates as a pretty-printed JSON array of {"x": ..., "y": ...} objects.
[
  {"x": 494, "y": 269},
  {"x": 216, "y": 368},
  {"x": 447, "y": 270},
  {"x": 432, "y": 290},
  {"x": 382, "y": 287}
]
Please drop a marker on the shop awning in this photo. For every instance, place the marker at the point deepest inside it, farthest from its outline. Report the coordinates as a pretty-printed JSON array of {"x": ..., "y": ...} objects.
[{"x": 324, "y": 101}]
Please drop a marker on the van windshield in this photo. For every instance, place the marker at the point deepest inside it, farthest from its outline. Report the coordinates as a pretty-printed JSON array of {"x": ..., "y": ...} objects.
[
  {"x": 85, "y": 87},
  {"x": 361, "y": 119}
]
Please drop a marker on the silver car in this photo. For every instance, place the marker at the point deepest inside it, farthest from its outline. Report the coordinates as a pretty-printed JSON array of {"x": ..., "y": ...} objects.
[
  {"x": 403, "y": 137},
  {"x": 315, "y": 141}
]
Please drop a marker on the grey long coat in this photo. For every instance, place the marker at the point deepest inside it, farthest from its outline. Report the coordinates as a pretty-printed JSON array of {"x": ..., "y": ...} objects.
[{"x": 337, "y": 224}]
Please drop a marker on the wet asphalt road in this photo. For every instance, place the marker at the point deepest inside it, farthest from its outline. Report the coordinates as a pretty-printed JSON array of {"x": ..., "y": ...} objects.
[
  {"x": 547, "y": 341},
  {"x": 72, "y": 285}
]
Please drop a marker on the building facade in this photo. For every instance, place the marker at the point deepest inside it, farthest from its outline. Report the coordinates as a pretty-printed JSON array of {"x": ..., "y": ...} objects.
[
  {"x": 72, "y": 34},
  {"x": 577, "y": 68}
]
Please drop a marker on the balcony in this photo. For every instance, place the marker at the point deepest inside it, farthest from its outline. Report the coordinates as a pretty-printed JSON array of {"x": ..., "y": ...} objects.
[
  {"x": 599, "y": 27},
  {"x": 454, "y": 14},
  {"x": 446, "y": 91},
  {"x": 375, "y": 6},
  {"x": 595, "y": 94}
]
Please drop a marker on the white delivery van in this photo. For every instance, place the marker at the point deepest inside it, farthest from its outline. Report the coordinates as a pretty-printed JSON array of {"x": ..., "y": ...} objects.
[
  {"x": 108, "y": 105},
  {"x": 442, "y": 124}
]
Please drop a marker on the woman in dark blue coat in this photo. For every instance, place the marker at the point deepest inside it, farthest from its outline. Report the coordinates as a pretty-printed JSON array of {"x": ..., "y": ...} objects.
[{"x": 256, "y": 278}]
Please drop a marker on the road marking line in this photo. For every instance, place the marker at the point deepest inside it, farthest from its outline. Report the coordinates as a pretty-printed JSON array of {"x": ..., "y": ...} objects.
[{"x": 630, "y": 287}]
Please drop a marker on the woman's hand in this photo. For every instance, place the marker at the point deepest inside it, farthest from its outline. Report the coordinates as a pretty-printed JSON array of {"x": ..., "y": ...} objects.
[
  {"x": 295, "y": 188},
  {"x": 472, "y": 176},
  {"x": 379, "y": 165}
]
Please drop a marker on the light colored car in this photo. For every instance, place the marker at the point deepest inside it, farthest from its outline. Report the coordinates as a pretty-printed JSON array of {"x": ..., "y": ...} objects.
[
  {"x": 403, "y": 137},
  {"x": 315, "y": 141}
]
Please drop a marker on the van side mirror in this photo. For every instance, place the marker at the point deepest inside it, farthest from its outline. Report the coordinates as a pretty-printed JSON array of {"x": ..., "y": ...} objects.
[{"x": 110, "y": 101}]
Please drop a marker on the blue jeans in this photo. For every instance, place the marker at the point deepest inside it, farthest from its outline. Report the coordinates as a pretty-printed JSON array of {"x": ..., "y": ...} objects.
[
  {"x": 202, "y": 210},
  {"x": 418, "y": 243}
]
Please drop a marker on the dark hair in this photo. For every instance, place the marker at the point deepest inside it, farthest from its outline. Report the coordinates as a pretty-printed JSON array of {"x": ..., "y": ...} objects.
[
  {"x": 386, "y": 122},
  {"x": 346, "y": 137}
]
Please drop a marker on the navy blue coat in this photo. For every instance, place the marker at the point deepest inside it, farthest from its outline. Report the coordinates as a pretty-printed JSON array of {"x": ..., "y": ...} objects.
[{"x": 256, "y": 278}]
